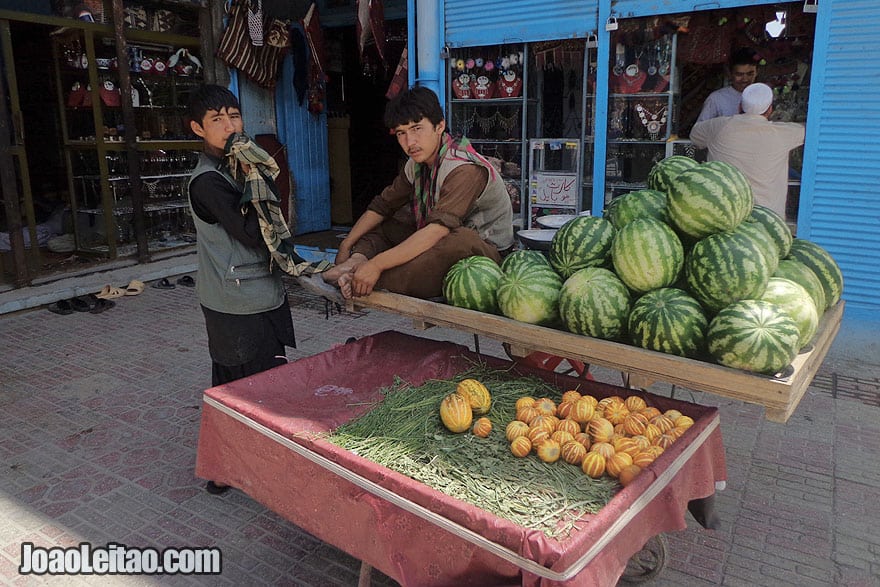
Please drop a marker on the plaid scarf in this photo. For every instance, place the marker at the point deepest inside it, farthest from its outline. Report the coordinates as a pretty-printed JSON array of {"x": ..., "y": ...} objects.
[
  {"x": 425, "y": 176},
  {"x": 260, "y": 192}
]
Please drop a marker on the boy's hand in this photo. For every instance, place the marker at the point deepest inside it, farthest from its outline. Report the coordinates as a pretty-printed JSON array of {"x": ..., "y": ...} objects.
[{"x": 364, "y": 279}]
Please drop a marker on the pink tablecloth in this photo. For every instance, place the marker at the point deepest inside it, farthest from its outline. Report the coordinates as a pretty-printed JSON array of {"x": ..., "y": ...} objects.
[{"x": 257, "y": 434}]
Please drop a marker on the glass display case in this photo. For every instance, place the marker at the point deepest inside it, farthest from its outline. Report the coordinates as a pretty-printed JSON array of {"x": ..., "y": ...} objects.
[
  {"x": 641, "y": 111},
  {"x": 488, "y": 102}
]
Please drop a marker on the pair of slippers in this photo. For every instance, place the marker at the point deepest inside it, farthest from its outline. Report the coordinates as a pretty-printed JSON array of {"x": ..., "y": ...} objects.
[
  {"x": 135, "y": 287},
  {"x": 165, "y": 283},
  {"x": 90, "y": 303}
]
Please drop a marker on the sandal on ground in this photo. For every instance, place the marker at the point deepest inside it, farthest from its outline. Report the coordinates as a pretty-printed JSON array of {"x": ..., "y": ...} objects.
[
  {"x": 61, "y": 307},
  {"x": 134, "y": 288},
  {"x": 83, "y": 303},
  {"x": 164, "y": 284},
  {"x": 215, "y": 489},
  {"x": 102, "y": 305},
  {"x": 110, "y": 293},
  {"x": 318, "y": 286},
  {"x": 186, "y": 281}
]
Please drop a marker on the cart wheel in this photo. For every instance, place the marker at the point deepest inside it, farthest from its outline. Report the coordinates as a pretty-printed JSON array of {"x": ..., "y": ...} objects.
[{"x": 648, "y": 562}]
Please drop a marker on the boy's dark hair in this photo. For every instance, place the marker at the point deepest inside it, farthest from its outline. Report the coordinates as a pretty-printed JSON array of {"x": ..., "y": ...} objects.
[
  {"x": 411, "y": 106},
  {"x": 744, "y": 56},
  {"x": 210, "y": 97}
]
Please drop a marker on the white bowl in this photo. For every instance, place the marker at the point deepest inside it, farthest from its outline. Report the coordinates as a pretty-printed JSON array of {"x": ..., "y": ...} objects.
[
  {"x": 555, "y": 220},
  {"x": 536, "y": 239}
]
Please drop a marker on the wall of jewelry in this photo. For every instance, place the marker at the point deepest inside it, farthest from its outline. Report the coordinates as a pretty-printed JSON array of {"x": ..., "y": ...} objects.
[
  {"x": 90, "y": 105},
  {"x": 643, "y": 100},
  {"x": 487, "y": 103}
]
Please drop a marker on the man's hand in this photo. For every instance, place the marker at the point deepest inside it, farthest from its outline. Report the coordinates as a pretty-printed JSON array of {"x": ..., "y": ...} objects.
[
  {"x": 343, "y": 253},
  {"x": 364, "y": 279}
]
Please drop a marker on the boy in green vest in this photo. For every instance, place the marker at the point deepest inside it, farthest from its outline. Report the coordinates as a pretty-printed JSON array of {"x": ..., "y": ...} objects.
[{"x": 244, "y": 301}]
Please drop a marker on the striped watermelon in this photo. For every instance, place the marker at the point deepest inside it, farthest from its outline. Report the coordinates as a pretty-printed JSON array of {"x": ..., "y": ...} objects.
[
  {"x": 760, "y": 236},
  {"x": 638, "y": 204},
  {"x": 822, "y": 264},
  {"x": 776, "y": 227},
  {"x": 795, "y": 301},
  {"x": 594, "y": 302},
  {"x": 472, "y": 283},
  {"x": 524, "y": 256},
  {"x": 670, "y": 321},
  {"x": 724, "y": 268},
  {"x": 661, "y": 175},
  {"x": 803, "y": 275},
  {"x": 582, "y": 242},
  {"x": 647, "y": 254},
  {"x": 753, "y": 335},
  {"x": 710, "y": 198},
  {"x": 530, "y": 293}
]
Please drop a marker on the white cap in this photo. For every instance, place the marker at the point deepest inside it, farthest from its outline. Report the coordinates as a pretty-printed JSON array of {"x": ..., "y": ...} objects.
[{"x": 757, "y": 98}]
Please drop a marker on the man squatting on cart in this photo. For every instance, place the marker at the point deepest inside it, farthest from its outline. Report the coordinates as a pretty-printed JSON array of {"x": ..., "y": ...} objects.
[{"x": 447, "y": 203}]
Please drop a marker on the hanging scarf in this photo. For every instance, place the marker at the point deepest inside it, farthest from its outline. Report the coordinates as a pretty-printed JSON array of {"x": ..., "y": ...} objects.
[
  {"x": 261, "y": 193},
  {"x": 425, "y": 176}
]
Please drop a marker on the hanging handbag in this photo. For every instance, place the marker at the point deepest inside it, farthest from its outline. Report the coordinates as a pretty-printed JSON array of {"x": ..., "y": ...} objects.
[{"x": 259, "y": 64}]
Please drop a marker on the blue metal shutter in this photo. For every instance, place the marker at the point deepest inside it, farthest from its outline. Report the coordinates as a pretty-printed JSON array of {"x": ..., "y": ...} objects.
[
  {"x": 305, "y": 136},
  {"x": 636, "y": 8},
  {"x": 472, "y": 23},
  {"x": 840, "y": 205}
]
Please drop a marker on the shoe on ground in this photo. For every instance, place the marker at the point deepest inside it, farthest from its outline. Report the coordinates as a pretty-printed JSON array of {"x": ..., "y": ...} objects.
[{"x": 215, "y": 489}]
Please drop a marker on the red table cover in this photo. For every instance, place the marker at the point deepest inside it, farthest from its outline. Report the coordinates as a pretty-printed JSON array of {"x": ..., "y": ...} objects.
[{"x": 257, "y": 434}]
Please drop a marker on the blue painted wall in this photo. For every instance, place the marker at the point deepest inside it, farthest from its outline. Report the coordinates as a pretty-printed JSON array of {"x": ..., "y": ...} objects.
[{"x": 305, "y": 136}]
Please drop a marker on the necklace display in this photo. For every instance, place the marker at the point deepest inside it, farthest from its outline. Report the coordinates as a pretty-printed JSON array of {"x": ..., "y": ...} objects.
[{"x": 652, "y": 121}]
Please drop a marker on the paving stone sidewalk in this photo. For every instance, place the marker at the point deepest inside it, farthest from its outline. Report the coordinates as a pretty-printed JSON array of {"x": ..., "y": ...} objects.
[{"x": 100, "y": 418}]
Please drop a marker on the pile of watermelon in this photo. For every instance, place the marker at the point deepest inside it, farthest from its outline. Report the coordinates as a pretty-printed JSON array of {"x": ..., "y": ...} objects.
[{"x": 688, "y": 267}]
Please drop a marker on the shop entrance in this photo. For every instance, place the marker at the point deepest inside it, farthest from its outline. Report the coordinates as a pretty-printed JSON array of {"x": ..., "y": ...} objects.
[
  {"x": 664, "y": 68},
  {"x": 35, "y": 139},
  {"x": 356, "y": 97}
]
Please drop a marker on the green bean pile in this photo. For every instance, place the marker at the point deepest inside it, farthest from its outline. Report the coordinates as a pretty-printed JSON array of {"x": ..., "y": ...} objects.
[{"x": 404, "y": 433}]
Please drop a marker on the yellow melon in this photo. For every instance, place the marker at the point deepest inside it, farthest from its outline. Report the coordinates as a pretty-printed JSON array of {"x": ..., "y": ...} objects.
[
  {"x": 634, "y": 403},
  {"x": 628, "y": 473},
  {"x": 600, "y": 429},
  {"x": 616, "y": 463},
  {"x": 456, "y": 413},
  {"x": 548, "y": 451},
  {"x": 524, "y": 402},
  {"x": 516, "y": 429},
  {"x": 521, "y": 446},
  {"x": 482, "y": 427},
  {"x": 603, "y": 448},
  {"x": 593, "y": 465},
  {"x": 573, "y": 452},
  {"x": 571, "y": 395},
  {"x": 569, "y": 425},
  {"x": 477, "y": 394}
]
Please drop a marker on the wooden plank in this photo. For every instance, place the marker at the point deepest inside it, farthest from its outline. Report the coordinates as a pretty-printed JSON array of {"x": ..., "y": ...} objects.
[{"x": 779, "y": 395}]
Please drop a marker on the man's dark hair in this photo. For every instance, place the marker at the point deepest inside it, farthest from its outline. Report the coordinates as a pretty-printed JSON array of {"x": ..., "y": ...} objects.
[
  {"x": 210, "y": 97},
  {"x": 744, "y": 56},
  {"x": 412, "y": 105}
]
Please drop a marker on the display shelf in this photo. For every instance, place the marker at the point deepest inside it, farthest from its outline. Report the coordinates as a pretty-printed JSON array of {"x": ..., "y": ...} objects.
[
  {"x": 641, "y": 123},
  {"x": 163, "y": 69},
  {"x": 497, "y": 127}
]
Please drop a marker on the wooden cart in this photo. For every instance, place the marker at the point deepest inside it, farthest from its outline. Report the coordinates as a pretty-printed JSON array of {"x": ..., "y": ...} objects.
[
  {"x": 780, "y": 395},
  {"x": 264, "y": 435}
]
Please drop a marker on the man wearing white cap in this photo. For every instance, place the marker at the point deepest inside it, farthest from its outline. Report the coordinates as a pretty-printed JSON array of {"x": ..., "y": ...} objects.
[{"x": 757, "y": 147}]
